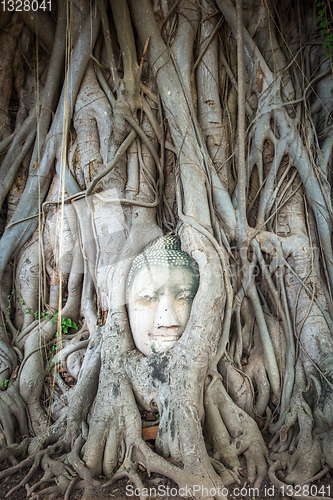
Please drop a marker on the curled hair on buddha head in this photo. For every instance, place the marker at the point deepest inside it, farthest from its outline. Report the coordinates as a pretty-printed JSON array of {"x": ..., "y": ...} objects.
[{"x": 163, "y": 251}]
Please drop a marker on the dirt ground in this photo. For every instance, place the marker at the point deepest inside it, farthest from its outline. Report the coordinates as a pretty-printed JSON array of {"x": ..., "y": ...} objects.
[
  {"x": 165, "y": 489},
  {"x": 159, "y": 487}
]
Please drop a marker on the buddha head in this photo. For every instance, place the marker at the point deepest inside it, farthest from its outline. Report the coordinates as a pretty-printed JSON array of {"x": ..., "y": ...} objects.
[{"x": 160, "y": 289}]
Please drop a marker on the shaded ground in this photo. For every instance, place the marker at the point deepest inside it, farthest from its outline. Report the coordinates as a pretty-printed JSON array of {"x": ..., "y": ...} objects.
[
  {"x": 165, "y": 489},
  {"x": 160, "y": 488}
]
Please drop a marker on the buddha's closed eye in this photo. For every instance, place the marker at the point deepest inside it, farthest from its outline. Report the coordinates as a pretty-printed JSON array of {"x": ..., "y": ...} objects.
[{"x": 147, "y": 298}]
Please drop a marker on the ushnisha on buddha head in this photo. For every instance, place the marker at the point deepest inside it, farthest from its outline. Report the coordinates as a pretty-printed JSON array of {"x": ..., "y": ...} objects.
[{"x": 160, "y": 289}]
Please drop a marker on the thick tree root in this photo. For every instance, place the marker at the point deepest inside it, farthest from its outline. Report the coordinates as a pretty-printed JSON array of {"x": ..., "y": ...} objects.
[
  {"x": 287, "y": 489},
  {"x": 228, "y": 476},
  {"x": 128, "y": 469},
  {"x": 244, "y": 434},
  {"x": 305, "y": 461},
  {"x": 13, "y": 409},
  {"x": 15, "y": 450}
]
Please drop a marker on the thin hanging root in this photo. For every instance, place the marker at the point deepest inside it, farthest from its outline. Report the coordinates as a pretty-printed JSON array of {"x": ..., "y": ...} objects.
[
  {"x": 287, "y": 489},
  {"x": 121, "y": 151},
  {"x": 25, "y": 480}
]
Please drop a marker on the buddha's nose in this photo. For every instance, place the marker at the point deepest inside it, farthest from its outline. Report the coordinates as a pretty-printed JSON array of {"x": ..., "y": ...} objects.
[{"x": 166, "y": 315}]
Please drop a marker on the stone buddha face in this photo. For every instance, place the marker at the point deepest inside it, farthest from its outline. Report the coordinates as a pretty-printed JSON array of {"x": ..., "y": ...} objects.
[{"x": 160, "y": 289}]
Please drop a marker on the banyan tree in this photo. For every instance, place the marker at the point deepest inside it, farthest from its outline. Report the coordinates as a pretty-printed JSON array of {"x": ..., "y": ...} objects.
[{"x": 207, "y": 123}]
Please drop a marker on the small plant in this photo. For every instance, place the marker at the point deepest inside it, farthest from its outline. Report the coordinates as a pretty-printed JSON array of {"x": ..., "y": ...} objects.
[
  {"x": 26, "y": 308},
  {"x": 67, "y": 323},
  {"x": 9, "y": 305},
  {"x": 325, "y": 30},
  {"x": 51, "y": 354},
  {"x": 5, "y": 383},
  {"x": 10, "y": 296},
  {"x": 43, "y": 315}
]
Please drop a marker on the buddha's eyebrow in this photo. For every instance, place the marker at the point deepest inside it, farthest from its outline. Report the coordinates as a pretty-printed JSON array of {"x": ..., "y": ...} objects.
[
  {"x": 182, "y": 287},
  {"x": 151, "y": 289}
]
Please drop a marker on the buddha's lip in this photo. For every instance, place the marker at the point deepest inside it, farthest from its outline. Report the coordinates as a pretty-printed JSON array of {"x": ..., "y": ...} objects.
[{"x": 167, "y": 336}]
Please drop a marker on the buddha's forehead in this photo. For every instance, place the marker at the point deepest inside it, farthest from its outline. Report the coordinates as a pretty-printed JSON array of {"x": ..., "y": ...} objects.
[{"x": 159, "y": 277}]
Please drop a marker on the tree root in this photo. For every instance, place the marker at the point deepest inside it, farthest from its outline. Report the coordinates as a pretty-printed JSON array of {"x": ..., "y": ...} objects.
[
  {"x": 66, "y": 472},
  {"x": 305, "y": 462},
  {"x": 55, "y": 470},
  {"x": 287, "y": 489},
  {"x": 318, "y": 476},
  {"x": 73, "y": 459},
  {"x": 245, "y": 436},
  {"x": 327, "y": 447},
  {"x": 15, "y": 450},
  {"x": 29, "y": 475},
  {"x": 31, "y": 459},
  {"x": 128, "y": 469},
  {"x": 228, "y": 476},
  {"x": 12, "y": 409},
  {"x": 71, "y": 486},
  {"x": 238, "y": 385}
]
